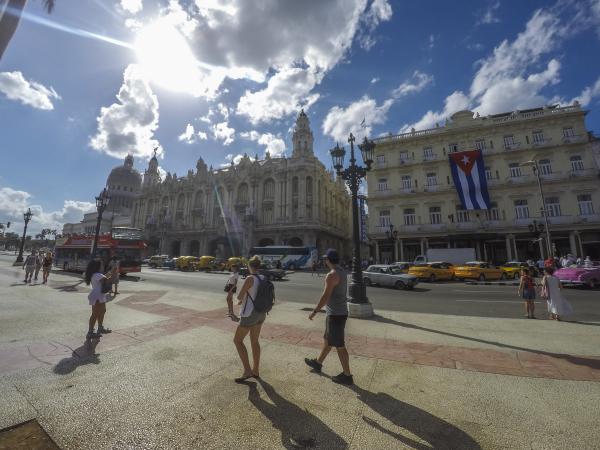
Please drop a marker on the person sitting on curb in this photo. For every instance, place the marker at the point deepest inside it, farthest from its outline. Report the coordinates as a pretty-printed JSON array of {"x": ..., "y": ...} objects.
[{"x": 334, "y": 297}]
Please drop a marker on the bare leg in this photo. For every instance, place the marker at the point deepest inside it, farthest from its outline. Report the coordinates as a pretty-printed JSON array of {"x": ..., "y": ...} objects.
[
  {"x": 324, "y": 351},
  {"x": 254, "y": 336},
  {"x": 238, "y": 340},
  {"x": 344, "y": 359},
  {"x": 93, "y": 318},
  {"x": 101, "y": 311},
  {"x": 230, "y": 303},
  {"x": 532, "y": 308},
  {"x": 527, "y": 308}
]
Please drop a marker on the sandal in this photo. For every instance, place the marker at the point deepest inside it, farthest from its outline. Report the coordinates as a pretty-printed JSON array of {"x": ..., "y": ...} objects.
[
  {"x": 102, "y": 330},
  {"x": 243, "y": 379}
]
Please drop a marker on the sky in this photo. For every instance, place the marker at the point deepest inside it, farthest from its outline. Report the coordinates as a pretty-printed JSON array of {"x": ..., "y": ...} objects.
[{"x": 82, "y": 87}]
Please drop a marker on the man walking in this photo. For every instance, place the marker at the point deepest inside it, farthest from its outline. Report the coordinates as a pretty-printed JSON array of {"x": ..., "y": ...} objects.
[
  {"x": 29, "y": 266},
  {"x": 38, "y": 265},
  {"x": 335, "y": 302}
]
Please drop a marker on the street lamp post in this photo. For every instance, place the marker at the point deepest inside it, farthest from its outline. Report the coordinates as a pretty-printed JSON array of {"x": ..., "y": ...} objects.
[
  {"x": 544, "y": 212},
  {"x": 101, "y": 203},
  {"x": 358, "y": 305},
  {"x": 392, "y": 235},
  {"x": 26, "y": 217}
]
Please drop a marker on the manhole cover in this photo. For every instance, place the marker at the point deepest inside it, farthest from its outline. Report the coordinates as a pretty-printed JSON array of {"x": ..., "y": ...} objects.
[{"x": 26, "y": 436}]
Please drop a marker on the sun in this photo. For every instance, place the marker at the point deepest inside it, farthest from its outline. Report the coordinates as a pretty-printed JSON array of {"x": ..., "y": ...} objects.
[{"x": 166, "y": 58}]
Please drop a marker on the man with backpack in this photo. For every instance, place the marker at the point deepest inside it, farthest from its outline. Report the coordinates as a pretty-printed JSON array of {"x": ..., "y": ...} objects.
[
  {"x": 334, "y": 299},
  {"x": 256, "y": 299}
]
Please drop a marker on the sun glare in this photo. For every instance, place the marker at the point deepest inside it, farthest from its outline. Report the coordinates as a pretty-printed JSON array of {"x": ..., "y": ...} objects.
[{"x": 166, "y": 57}]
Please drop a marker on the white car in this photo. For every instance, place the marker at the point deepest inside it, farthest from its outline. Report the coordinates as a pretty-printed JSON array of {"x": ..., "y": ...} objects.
[{"x": 390, "y": 276}]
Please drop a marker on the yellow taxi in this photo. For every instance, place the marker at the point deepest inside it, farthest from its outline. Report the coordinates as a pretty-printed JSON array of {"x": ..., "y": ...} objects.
[
  {"x": 433, "y": 271},
  {"x": 187, "y": 263},
  {"x": 512, "y": 269},
  {"x": 479, "y": 270},
  {"x": 204, "y": 262},
  {"x": 236, "y": 261}
]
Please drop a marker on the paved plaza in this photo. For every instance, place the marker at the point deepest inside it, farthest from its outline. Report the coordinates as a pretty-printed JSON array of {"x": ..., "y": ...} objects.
[{"x": 164, "y": 377}]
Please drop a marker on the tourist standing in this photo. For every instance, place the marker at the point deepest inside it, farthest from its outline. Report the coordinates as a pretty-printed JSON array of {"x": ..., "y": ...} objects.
[
  {"x": 46, "y": 267},
  {"x": 335, "y": 301},
  {"x": 29, "y": 266},
  {"x": 251, "y": 322},
  {"x": 38, "y": 265},
  {"x": 231, "y": 288},
  {"x": 114, "y": 267},
  {"x": 552, "y": 291},
  {"x": 527, "y": 292},
  {"x": 97, "y": 298}
]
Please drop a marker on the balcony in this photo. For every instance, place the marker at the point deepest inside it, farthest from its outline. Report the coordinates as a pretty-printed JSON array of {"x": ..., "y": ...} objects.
[
  {"x": 545, "y": 142},
  {"x": 523, "y": 179},
  {"x": 383, "y": 193},
  {"x": 560, "y": 220},
  {"x": 553, "y": 176},
  {"x": 575, "y": 139},
  {"x": 512, "y": 146},
  {"x": 434, "y": 227},
  {"x": 407, "y": 190},
  {"x": 410, "y": 228},
  {"x": 380, "y": 165},
  {"x": 405, "y": 160},
  {"x": 584, "y": 173},
  {"x": 430, "y": 157},
  {"x": 435, "y": 188},
  {"x": 524, "y": 222},
  {"x": 588, "y": 218},
  {"x": 466, "y": 226}
]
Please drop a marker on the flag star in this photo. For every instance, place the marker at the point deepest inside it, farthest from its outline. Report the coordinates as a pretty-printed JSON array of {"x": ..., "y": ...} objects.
[{"x": 465, "y": 160}]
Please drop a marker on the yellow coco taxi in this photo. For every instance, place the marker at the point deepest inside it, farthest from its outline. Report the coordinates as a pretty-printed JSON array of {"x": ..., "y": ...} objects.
[
  {"x": 433, "y": 271},
  {"x": 512, "y": 269},
  {"x": 205, "y": 262},
  {"x": 478, "y": 270},
  {"x": 236, "y": 261},
  {"x": 187, "y": 263}
]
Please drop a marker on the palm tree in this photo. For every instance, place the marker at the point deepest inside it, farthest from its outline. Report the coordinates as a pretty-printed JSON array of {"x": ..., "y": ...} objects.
[{"x": 10, "y": 15}]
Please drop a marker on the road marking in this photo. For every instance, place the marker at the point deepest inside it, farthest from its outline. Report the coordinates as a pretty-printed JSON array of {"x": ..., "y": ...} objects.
[
  {"x": 493, "y": 301},
  {"x": 471, "y": 290}
]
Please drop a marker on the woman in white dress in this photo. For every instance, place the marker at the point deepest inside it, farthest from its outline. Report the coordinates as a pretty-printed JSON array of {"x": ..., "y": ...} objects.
[
  {"x": 97, "y": 299},
  {"x": 552, "y": 291}
]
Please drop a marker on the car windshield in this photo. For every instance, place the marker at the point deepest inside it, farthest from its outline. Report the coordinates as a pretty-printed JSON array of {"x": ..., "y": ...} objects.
[{"x": 395, "y": 270}]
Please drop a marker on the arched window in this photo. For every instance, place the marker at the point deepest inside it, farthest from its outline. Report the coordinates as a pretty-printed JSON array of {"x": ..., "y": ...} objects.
[
  {"x": 242, "y": 194},
  {"x": 309, "y": 187},
  {"x": 269, "y": 189}
]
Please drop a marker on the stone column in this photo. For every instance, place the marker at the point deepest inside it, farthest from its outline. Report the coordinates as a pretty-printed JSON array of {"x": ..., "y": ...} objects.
[
  {"x": 423, "y": 246},
  {"x": 301, "y": 196},
  {"x": 376, "y": 252},
  {"x": 541, "y": 245},
  {"x": 401, "y": 249},
  {"x": 509, "y": 253},
  {"x": 579, "y": 244},
  {"x": 485, "y": 255},
  {"x": 288, "y": 198},
  {"x": 516, "y": 250}
]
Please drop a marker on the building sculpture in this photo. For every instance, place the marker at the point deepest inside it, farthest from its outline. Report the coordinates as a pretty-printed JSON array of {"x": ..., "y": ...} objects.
[
  {"x": 411, "y": 187},
  {"x": 225, "y": 212}
]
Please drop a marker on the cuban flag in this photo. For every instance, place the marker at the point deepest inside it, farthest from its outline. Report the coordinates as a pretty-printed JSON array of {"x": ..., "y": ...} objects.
[{"x": 468, "y": 173}]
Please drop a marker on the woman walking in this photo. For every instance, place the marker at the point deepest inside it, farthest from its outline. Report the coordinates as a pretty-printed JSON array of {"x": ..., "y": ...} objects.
[
  {"x": 231, "y": 288},
  {"x": 46, "y": 266},
  {"x": 527, "y": 292},
  {"x": 97, "y": 298},
  {"x": 552, "y": 291},
  {"x": 250, "y": 322}
]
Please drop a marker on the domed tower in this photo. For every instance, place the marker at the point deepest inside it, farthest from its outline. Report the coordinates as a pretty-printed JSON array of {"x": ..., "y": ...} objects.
[
  {"x": 151, "y": 175},
  {"x": 123, "y": 183},
  {"x": 302, "y": 138}
]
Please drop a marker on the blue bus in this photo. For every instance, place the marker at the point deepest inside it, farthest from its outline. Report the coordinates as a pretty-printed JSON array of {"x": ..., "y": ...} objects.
[{"x": 291, "y": 258}]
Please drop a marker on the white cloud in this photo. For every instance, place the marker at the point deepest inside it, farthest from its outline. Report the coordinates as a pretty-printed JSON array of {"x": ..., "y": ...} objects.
[
  {"x": 13, "y": 203},
  {"x": 202, "y": 135},
  {"x": 222, "y": 132},
  {"x": 189, "y": 136},
  {"x": 128, "y": 126},
  {"x": 431, "y": 41},
  {"x": 223, "y": 110},
  {"x": 374, "y": 80},
  {"x": 16, "y": 87},
  {"x": 419, "y": 82},
  {"x": 132, "y": 6},
  {"x": 454, "y": 102},
  {"x": 380, "y": 11},
  {"x": 234, "y": 158},
  {"x": 287, "y": 92},
  {"x": 340, "y": 122},
  {"x": 489, "y": 15},
  {"x": 273, "y": 143},
  {"x": 588, "y": 94}
]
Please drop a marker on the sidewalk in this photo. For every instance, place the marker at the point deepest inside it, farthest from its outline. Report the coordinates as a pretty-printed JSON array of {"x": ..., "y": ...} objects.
[{"x": 163, "y": 378}]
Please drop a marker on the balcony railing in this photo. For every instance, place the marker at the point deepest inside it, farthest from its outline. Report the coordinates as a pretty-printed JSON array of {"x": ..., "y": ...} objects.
[
  {"x": 512, "y": 146},
  {"x": 542, "y": 142},
  {"x": 588, "y": 218},
  {"x": 405, "y": 160},
  {"x": 575, "y": 139},
  {"x": 560, "y": 220},
  {"x": 407, "y": 190},
  {"x": 584, "y": 173},
  {"x": 430, "y": 157},
  {"x": 520, "y": 180},
  {"x": 553, "y": 176}
]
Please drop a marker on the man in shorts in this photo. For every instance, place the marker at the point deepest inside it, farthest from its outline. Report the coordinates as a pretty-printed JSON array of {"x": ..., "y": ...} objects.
[
  {"x": 29, "y": 266},
  {"x": 335, "y": 301}
]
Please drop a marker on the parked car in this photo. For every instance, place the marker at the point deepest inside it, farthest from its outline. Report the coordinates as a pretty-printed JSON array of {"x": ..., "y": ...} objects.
[
  {"x": 170, "y": 263},
  {"x": 580, "y": 276},
  {"x": 267, "y": 270},
  {"x": 403, "y": 266},
  {"x": 433, "y": 271},
  {"x": 157, "y": 260},
  {"x": 479, "y": 270},
  {"x": 187, "y": 263},
  {"x": 390, "y": 276},
  {"x": 512, "y": 269}
]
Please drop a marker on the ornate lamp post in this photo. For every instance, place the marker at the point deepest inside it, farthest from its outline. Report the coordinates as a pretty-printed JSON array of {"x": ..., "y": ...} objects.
[
  {"x": 358, "y": 305},
  {"x": 26, "y": 217},
  {"x": 101, "y": 203},
  {"x": 392, "y": 235},
  {"x": 543, "y": 210}
]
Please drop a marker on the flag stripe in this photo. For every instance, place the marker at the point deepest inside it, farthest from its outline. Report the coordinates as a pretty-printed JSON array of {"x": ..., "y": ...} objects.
[
  {"x": 471, "y": 187},
  {"x": 454, "y": 169},
  {"x": 466, "y": 184},
  {"x": 475, "y": 178}
]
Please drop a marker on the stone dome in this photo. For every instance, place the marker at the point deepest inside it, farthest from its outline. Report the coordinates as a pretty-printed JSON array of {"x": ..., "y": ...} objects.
[{"x": 123, "y": 183}]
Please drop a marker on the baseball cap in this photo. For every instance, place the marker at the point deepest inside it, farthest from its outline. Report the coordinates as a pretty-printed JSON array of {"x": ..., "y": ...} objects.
[{"x": 332, "y": 255}]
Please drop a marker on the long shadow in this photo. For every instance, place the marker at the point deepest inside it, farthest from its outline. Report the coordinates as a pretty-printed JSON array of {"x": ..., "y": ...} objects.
[
  {"x": 69, "y": 287},
  {"x": 438, "y": 433},
  {"x": 589, "y": 362},
  {"x": 85, "y": 354},
  {"x": 298, "y": 427}
]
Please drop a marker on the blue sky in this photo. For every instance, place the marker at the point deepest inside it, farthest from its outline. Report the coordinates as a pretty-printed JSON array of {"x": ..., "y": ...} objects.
[{"x": 233, "y": 75}]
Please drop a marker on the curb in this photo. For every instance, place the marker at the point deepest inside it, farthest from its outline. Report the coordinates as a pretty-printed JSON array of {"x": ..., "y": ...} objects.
[{"x": 492, "y": 283}]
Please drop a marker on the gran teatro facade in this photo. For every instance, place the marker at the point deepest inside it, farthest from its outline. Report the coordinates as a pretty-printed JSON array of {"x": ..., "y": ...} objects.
[{"x": 224, "y": 212}]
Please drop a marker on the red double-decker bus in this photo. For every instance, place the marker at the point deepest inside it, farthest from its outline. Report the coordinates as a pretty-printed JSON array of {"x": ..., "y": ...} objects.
[{"x": 127, "y": 244}]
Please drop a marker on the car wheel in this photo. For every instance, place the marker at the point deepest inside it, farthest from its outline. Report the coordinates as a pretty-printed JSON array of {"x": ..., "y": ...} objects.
[
  {"x": 432, "y": 277},
  {"x": 516, "y": 276},
  {"x": 481, "y": 277},
  {"x": 367, "y": 281},
  {"x": 592, "y": 284},
  {"x": 503, "y": 276},
  {"x": 400, "y": 285}
]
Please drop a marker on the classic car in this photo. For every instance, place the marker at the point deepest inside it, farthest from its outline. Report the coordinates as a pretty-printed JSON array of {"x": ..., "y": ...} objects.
[
  {"x": 433, "y": 271},
  {"x": 170, "y": 263},
  {"x": 157, "y": 260},
  {"x": 512, "y": 269},
  {"x": 402, "y": 265},
  {"x": 479, "y": 270},
  {"x": 267, "y": 270},
  {"x": 580, "y": 276},
  {"x": 389, "y": 275}
]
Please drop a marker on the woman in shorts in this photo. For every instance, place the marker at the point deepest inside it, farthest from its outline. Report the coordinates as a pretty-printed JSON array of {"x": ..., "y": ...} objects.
[
  {"x": 96, "y": 298},
  {"x": 527, "y": 292},
  {"x": 231, "y": 288},
  {"x": 46, "y": 266},
  {"x": 250, "y": 322}
]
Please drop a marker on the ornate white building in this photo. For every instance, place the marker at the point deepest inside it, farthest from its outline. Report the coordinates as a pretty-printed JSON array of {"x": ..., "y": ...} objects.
[{"x": 225, "y": 212}]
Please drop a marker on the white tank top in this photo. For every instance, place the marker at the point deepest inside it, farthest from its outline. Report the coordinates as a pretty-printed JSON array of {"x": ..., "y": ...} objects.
[{"x": 248, "y": 305}]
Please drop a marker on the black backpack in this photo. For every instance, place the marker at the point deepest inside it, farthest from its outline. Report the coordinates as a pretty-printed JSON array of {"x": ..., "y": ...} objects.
[{"x": 265, "y": 295}]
